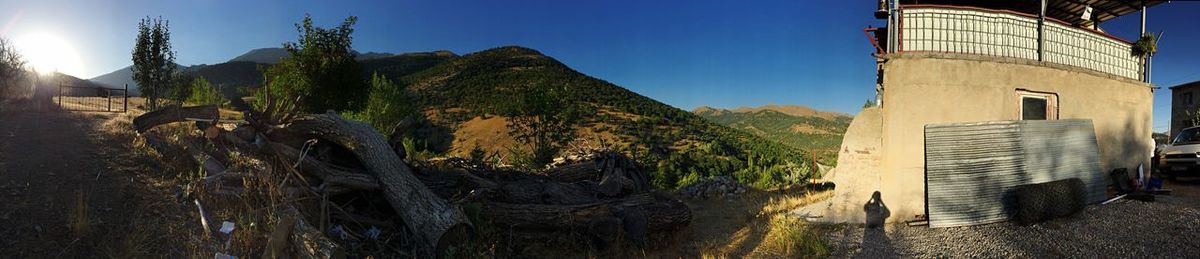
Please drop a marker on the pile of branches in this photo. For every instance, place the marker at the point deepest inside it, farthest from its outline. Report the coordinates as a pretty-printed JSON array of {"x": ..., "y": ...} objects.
[{"x": 602, "y": 194}]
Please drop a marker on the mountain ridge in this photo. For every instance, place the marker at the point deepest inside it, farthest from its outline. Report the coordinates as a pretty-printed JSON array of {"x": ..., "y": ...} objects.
[
  {"x": 468, "y": 95},
  {"x": 469, "y": 101},
  {"x": 797, "y": 126},
  {"x": 793, "y": 110}
]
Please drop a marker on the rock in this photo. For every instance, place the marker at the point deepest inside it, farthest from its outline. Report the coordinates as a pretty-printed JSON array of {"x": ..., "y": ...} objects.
[{"x": 718, "y": 186}]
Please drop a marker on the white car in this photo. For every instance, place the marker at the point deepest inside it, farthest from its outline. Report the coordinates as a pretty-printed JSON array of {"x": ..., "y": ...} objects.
[{"x": 1182, "y": 155}]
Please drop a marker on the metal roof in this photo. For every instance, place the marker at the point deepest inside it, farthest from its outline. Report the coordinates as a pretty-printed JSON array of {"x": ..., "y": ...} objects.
[
  {"x": 1189, "y": 84},
  {"x": 1069, "y": 11}
]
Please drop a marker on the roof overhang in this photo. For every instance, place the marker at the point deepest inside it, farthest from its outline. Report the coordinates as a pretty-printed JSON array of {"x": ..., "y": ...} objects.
[
  {"x": 1191, "y": 84},
  {"x": 1070, "y": 11}
]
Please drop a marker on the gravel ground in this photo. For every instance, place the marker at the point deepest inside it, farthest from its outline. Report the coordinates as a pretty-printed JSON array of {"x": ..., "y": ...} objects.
[{"x": 1167, "y": 228}]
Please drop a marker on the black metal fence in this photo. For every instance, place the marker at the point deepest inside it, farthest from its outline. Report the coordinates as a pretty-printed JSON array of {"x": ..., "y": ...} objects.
[{"x": 99, "y": 99}]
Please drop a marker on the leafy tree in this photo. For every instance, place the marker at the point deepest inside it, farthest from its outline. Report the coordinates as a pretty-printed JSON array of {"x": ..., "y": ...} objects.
[
  {"x": 870, "y": 103},
  {"x": 543, "y": 119},
  {"x": 153, "y": 59},
  {"x": 181, "y": 86},
  {"x": 320, "y": 70},
  {"x": 204, "y": 93},
  {"x": 12, "y": 68},
  {"x": 387, "y": 104}
]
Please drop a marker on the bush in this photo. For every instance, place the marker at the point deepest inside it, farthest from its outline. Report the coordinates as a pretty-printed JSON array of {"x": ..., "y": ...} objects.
[
  {"x": 387, "y": 104},
  {"x": 320, "y": 70},
  {"x": 12, "y": 69},
  {"x": 204, "y": 93}
]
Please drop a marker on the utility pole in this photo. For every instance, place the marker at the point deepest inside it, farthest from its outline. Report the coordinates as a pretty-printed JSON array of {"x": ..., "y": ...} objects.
[
  {"x": 1146, "y": 62},
  {"x": 1041, "y": 31}
]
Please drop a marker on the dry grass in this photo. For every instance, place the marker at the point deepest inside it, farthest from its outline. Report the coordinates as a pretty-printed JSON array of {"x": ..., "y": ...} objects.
[{"x": 768, "y": 232}]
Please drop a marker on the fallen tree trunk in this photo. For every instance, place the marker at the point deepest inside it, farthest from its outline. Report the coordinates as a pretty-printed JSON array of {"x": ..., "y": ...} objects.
[
  {"x": 329, "y": 174},
  {"x": 225, "y": 138},
  {"x": 174, "y": 114},
  {"x": 439, "y": 223},
  {"x": 308, "y": 241},
  {"x": 636, "y": 215},
  {"x": 616, "y": 175}
]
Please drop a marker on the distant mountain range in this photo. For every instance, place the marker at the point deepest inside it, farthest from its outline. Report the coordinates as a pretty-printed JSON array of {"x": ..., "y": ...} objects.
[
  {"x": 263, "y": 55},
  {"x": 242, "y": 70},
  {"x": 793, "y": 110},
  {"x": 793, "y": 125},
  {"x": 273, "y": 55}
]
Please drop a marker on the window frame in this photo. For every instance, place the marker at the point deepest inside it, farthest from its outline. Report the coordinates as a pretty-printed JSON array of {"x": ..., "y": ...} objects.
[{"x": 1052, "y": 107}]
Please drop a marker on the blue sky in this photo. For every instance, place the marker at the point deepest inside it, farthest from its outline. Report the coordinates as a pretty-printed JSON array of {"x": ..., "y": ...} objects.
[{"x": 684, "y": 53}]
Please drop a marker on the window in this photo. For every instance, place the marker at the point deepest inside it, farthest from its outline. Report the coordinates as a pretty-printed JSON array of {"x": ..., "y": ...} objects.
[
  {"x": 1037, "y": 105},
  {"x": 1033, "y": 108},
  {"x": 1187, "y": 99}
]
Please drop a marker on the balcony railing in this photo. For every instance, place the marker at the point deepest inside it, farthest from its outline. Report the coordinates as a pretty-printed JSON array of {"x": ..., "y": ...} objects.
[{"x": 1001, "y": 33}]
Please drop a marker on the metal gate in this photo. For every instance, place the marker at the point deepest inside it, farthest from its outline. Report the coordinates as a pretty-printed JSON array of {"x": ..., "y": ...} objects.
[
  {"x": 91, "y": 98},
  {"x": 971, "y": 169}
]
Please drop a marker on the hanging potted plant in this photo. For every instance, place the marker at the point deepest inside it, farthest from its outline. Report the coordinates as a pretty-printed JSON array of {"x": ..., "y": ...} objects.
[{"x": 1145, "y": 46}]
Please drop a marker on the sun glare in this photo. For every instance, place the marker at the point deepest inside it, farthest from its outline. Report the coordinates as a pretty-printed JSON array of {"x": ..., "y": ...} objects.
[{"x": 48, "y": 53}]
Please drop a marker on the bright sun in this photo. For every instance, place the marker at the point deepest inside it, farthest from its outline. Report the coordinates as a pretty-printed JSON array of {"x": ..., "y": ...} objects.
[{"x": 48, "y": 53}]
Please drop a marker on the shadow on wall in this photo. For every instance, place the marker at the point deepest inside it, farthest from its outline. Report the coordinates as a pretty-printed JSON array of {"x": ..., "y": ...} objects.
[{"x": 877, "y": 212}]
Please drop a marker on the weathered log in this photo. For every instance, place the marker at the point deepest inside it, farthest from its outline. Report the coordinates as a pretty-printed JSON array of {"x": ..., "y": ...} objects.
[
  {"x": 638, "y": 215},
  {"x": 224, "y": 138},
  {"x": 244, "y": 132},
  {"x": 439, "y": 223},
  {"x": 540, "y": 191},
  {"x": 174, "y": 114},
  {"x": 278, "y": 241},
  {"x": 330, "y": 174},
  {"x": 545, "y": 216},
  {"x": 617, "y": 174},
  {"x": 575, "y": 172},
  {"x": 623, "y": 174},
  {"x": 308, "y": 241}
]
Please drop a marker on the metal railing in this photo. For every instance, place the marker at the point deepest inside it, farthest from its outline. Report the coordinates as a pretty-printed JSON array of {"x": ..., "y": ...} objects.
[
  {"x": 1009, "y": 34},
  {"x": 77, "y": 98}
]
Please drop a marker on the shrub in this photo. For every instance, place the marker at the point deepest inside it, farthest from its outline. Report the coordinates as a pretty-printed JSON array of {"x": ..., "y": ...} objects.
[
  {"x": 320, "y": 71},
  {"x": 387, "y": 104},
  {"x": 204, "y": 93}
]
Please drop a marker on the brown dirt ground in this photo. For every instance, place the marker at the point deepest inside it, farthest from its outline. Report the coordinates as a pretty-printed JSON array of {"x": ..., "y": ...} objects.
[{"x": 75, "y": 187}]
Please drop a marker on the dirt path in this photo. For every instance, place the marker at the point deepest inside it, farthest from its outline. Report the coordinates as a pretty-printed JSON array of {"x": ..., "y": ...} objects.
[{"x": 73, "y": 186}]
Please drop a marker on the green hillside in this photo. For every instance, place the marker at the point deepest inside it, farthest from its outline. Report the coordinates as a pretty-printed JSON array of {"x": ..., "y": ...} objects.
[
  {"x": 468, "y": 103},
  {"x": 681, "y": 146},
  {"x": 822, "y": 134},
  {"x": 397, "y": 66}
]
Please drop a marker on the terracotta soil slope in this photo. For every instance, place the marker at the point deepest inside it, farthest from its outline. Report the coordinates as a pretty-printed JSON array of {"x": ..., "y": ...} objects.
[{"x": 74, "y": 188}]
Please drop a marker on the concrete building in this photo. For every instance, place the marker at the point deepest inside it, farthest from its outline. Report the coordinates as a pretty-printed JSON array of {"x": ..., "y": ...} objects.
[
  {"x": 975, "y": 61},
  {"x": 1184, "y": 104}
]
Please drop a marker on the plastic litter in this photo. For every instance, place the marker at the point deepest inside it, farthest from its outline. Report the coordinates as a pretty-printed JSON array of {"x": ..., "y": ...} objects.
[
  {"x": 226, "y": 227},
  {"x": 339, "y": 232},
  {"x": 224, "y": 256},
  {"x": 373, "y": 233}
]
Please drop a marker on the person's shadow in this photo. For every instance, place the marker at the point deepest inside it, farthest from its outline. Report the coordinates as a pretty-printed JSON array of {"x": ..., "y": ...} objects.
[{"x": 874, "y": 234}]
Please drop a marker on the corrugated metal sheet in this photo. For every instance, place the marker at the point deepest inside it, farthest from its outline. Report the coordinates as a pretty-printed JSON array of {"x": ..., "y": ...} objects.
[{"x": 971, "y": 169}]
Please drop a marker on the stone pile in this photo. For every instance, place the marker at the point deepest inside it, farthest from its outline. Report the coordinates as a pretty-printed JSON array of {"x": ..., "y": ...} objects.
[{"x": 713, "y": 187}]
